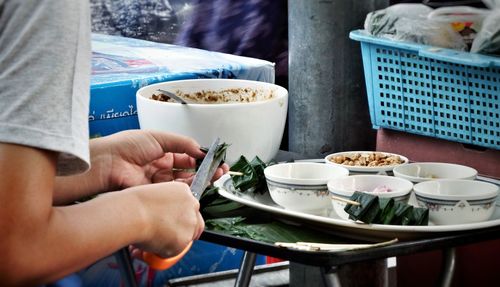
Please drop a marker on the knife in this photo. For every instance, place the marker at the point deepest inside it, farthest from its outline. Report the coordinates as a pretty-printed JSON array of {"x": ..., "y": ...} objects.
[{"x": 200, "y": 181}]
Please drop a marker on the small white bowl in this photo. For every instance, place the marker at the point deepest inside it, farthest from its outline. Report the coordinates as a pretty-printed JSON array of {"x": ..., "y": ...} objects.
[
  {"x": 400, "y": 189},
  {"x": 454, "y": 201},
  {"x": 425, "y": 171},
  {"x": 301, "y": 186}
]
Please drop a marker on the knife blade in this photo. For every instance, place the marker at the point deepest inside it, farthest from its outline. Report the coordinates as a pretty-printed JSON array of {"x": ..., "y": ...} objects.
[{"x": 206, "y": 170}]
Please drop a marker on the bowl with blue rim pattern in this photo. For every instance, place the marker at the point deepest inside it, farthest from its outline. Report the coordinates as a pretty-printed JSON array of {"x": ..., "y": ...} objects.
[
  {"x": 454, "y": 201},
  {"x": 426, "y": 171},
  {"x": 302, "y": 186},
  {"x": 384, "y": 186}
]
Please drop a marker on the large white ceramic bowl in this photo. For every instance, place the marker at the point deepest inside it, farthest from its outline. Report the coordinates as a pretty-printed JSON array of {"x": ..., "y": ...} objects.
[
  {"x": 425, "y": 171},
  {"x": 253, "y": 126},
  {"x": 380, "y": 185},
  {"x": 301, "y": 186},
  {"x": 454, "y": 201}
]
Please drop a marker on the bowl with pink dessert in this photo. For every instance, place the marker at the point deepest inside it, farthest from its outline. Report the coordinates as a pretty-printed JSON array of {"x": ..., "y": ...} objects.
[{"x": 383, "y": 186}]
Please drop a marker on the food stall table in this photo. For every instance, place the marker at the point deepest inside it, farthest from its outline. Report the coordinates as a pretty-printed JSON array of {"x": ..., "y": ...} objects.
[
  {"x": 445, "y": 239},
  {"x": 329, "y": 263}
]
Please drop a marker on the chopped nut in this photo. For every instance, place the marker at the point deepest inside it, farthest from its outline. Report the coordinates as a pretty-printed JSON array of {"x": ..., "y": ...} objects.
[
  {"x": 366, "y": 159},
  {"x": 237, "y": 95}
]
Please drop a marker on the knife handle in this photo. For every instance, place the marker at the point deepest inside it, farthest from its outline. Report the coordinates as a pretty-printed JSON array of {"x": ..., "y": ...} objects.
[{"x": 158, "y": 263}]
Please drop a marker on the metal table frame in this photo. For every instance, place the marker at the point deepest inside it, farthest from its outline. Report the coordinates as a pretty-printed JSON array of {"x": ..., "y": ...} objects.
[{"x": 328, "y": 260}]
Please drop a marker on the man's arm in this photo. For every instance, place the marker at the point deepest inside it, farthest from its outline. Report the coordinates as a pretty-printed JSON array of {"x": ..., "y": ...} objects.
[
  {"x": 69, "y": 189},
  {"x": 39, "y": 242}
]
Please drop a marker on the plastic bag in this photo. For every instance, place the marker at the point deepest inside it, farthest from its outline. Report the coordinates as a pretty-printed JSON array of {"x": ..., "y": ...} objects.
[
  {"x": 384, "y": 21},
  {"x": 410, "y": 23},
  {"x": 432, "y": 33},
  {"x": 467, "y": 21},
  {"x": 492, "y": 4},
  {"x": 488, "y": 39}
]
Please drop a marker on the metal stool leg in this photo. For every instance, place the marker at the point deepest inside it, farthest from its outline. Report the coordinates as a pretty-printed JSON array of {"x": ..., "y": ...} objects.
[
  {"x": 246, "y": 269},
  {"x": 126, "y": 267},
  {"x": 330, "y": 277},
  {"x": 449, "y": 262}
]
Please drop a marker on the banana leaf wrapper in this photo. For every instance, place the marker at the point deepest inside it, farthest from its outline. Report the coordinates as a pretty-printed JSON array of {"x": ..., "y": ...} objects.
[
  {"x": 219, "y": 153},
  {"x": 253, "y": 175},
  {"x": 367, "y": 210},
  {"x": 402, "y": 214},
  {"x": 253, "y": 180},
  {"x": 420, "y": 216},
  {"x": 386, "y": 210}
]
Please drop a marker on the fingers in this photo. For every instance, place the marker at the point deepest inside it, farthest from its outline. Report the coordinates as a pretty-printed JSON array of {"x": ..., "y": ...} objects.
[
  {"x": 201, "y": 227},
  {"x": 177, "y": 144},
  {"x": 135, "y": 252},
  {"x": 187, "y": 177},
  {"x": 223, "y": 169},
  {"x": 181, "y": 161},
  {"x": 218, "y": 173},
  {"x": 184, "y": 161},
  {"x": 173, "y": 218},
  {"x": 184, "y": 165},
  {"x": 175, "y": 160},
  {"x": 183, "y": 176}
]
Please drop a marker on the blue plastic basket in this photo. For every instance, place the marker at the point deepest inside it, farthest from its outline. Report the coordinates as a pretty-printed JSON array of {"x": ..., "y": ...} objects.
[{"x": 432, "y": 91}]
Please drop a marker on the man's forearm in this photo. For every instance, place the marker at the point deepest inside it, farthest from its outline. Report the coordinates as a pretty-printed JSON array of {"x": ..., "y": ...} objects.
[
  {"x": 69, "y": 189},
  {"x": 72, "y": 237}
]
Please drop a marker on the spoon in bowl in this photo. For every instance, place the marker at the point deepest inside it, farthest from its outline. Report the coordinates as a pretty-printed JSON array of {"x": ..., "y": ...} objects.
[{"x": 172, "y": 96}]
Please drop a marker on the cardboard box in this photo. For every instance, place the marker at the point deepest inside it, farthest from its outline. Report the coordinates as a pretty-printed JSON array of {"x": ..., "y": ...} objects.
[
  {"x": 421, "y": 148},
  {"x": 470, "y": 267},
  {"x": 120, "y": 66}
]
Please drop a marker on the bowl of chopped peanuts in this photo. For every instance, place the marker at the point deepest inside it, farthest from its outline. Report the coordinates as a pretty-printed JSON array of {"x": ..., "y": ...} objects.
[{"x": 366, "y": 161}]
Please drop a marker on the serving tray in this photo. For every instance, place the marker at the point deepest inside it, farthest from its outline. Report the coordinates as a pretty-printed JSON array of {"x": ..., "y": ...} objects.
[{"x": 331, "y": 222}]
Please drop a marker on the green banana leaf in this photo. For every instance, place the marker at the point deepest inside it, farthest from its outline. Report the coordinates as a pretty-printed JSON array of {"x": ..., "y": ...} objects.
[
  {"x": 219, "y": 153},
  {"x": 367, "y": 210},
  {"x": 253, "y": 178},
  {"x": 269, "y": 231},
  {"x": 386, "y": 206},
  {"x": 385, "y": 211}
]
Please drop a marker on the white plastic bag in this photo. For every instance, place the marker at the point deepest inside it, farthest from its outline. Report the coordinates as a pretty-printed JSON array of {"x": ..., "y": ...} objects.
[
  {"x": 492, "y": 4},
  {"x": 488, "y": 39},
  {"x": 428, "y": 32},
  {"x": 467, "y": 21},
  {"x": 382, "y": 22}
]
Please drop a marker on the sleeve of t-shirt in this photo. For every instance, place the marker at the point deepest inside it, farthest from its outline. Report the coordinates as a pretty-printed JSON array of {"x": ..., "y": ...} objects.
[{"x": 45, "y": 78}]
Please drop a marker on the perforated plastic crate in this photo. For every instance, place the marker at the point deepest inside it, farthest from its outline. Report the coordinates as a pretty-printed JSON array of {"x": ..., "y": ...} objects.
[{"x": 432, "y": 91}]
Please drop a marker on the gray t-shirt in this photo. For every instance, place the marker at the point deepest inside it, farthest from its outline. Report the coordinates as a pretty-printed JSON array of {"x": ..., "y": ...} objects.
[{"x": 45, "y": 78}]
